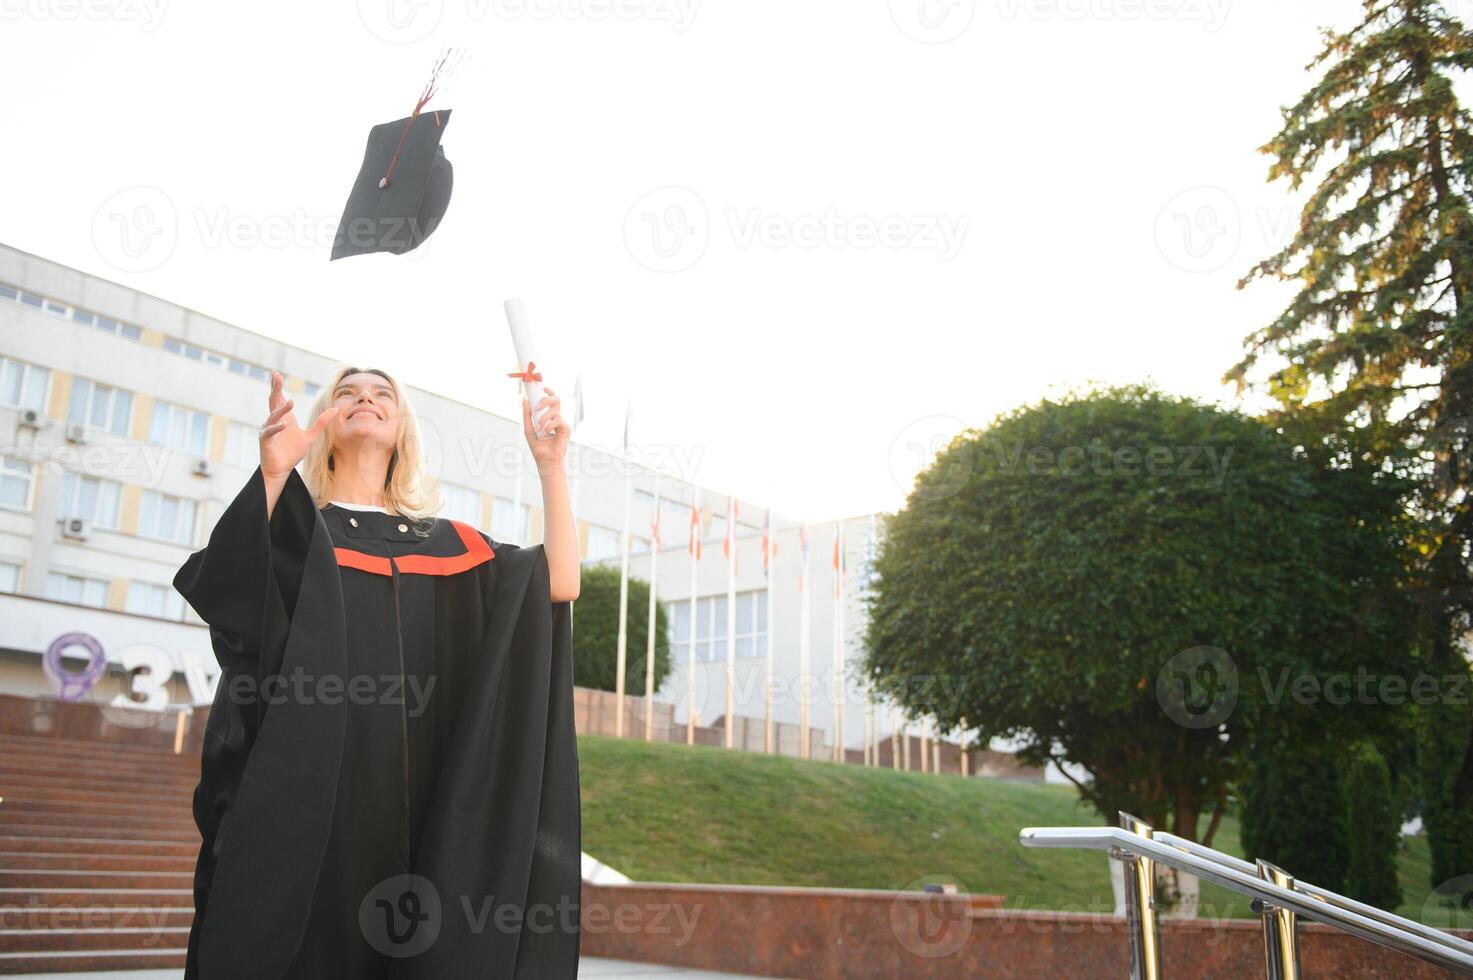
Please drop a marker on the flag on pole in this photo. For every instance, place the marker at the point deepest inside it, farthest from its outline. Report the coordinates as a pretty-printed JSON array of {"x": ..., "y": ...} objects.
[
  {"x": 729, "y": 542},
  {"x": 578, "y": 399},
  {"x": 836, "y": 564},
  {"x": 655, "y": 523},
  {"x": 626, "y": 425},
  {"x": 769, "y": 545},
  {"x": 695, "y": 529}
]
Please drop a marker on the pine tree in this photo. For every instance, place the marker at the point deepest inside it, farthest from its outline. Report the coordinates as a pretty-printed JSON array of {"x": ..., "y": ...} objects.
[{"x": 1373, "y": 357}]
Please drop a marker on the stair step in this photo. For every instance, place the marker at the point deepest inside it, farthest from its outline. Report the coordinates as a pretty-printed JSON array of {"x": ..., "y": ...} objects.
[
  {"x": 101, "y": 917},
  {"x": 52, "y": 745},
  {"x": 70, "y": 861},
  {"x": 167, "y": 810},
  {"x": 151, "y": 938},
  {"x": 45, "y": 879},
  {"x": 97, "y": 897},
  {"x": 184, "y": 833},
  {"x": 12, "y": 963},
  {"x": 100, "y": 844}
]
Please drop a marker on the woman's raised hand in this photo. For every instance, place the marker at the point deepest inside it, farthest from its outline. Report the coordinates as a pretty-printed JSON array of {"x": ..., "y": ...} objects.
[{"x": 284, "y": 443}]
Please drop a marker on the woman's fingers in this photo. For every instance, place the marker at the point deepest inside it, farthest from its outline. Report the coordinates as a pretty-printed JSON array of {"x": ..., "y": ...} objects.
[
  {"x": 268, "y": 431},
  {"x": 280, "y": 410},
  {"x": 327, "y": 416}
]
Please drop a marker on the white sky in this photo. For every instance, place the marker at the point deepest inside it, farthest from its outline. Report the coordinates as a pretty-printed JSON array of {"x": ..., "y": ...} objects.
[{"x": 1067, "y": 145}]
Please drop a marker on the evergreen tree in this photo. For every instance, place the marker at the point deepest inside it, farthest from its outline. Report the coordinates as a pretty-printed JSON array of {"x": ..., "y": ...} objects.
[
  {"x": 1372, "y": 361},
  {"x": 1294, "y": 812},
  {"x": 1374, "y": 829}
]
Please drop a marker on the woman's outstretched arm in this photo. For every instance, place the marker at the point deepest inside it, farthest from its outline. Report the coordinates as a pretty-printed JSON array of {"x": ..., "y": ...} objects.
[{"x": 559, "y": 530}]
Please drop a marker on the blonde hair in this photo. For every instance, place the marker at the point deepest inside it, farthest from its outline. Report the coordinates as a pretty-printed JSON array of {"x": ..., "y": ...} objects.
[{"x": 407, "y": 489}]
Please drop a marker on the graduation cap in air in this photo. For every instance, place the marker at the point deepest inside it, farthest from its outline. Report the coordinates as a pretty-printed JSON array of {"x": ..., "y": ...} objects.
[{"x": 403, "y": 187}]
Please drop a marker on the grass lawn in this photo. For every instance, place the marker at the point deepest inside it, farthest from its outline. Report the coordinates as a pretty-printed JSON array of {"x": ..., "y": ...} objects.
[{"x": 672, "y": 812}]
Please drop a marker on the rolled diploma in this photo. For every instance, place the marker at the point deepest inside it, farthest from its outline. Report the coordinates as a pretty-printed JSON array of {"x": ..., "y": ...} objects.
[{"x": 521, "y": 339}]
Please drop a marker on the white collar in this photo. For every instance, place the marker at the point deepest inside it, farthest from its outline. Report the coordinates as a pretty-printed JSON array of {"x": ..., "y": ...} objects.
[{"x": 340, "y": 503}]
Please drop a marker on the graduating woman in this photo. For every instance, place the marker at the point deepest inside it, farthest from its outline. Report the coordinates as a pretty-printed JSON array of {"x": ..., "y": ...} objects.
[{"x": 389, "y": 778}]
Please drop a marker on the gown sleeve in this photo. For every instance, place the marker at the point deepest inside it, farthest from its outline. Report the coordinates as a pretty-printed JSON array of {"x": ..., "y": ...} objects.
[{"x": 244, "y": 584}]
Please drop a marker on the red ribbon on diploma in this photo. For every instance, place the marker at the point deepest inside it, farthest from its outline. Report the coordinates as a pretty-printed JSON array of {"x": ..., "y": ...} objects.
[{"x": 529, "y": 375}]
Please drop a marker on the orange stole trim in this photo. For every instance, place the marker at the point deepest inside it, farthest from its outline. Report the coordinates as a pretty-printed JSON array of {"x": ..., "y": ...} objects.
[{"x": 477, "y": 552}]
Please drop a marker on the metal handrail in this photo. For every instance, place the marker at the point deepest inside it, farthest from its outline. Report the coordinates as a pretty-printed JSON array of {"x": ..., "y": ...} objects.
[{"x": 1141, "y": 844}]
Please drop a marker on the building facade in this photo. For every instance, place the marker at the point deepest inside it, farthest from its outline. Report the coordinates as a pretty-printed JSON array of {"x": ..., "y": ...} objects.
[{"x": 129, "y": 423}]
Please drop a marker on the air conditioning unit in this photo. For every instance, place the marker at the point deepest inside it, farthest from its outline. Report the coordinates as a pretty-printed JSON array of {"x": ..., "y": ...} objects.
[
  {"x": 202, "y": 467},
  {"x": 76, "y": 432},
  {"x": 76, "y": 528},
  {"x": 30, "y": 418}
]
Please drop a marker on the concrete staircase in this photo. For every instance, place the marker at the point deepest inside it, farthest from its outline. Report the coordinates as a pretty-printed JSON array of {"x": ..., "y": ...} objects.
[{"x": 97, "y": 852}]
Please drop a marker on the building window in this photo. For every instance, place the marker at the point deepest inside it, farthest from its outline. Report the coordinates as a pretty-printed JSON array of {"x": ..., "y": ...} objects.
[
  {"x": 90, "y": 499},
  {"x": 9, "y": 577},
  {"x": 710, "y": 633},
  {"x": 179, "y": 428},
  {"x": 23, "y": 385},
  {"x": 243, "y": 445},
  {"x": 75, "y": 588},
  {"x": 509, "y": 521},
  {"x": 603, "y": 542},
  {"x": 100, "y": 406},
  {"x": 15, "y": 483},
  {"x": 461, "y": 504},
  {"x": 166, "y": 518},
  {"x": 149, "y": 599}
]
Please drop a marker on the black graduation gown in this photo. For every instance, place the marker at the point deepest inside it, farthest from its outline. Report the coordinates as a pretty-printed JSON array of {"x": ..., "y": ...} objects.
[{"x": 389, "y": 778}]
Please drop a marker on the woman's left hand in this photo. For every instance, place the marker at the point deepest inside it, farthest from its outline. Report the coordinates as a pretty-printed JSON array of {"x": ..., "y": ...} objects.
[{"x": 547, "y": 452}]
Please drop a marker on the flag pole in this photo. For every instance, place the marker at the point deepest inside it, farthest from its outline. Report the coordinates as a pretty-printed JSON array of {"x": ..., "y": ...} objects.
[
  {"x": 690, "y": 673},
  {"x": 839, "y": 754},
  {"x": 731, "y": 510},
  {"x": 649, "y": 660},
  {"x": 768, "y": 551},
  {"x": 623, "y": 654},
  {"x": 805, "y": 616}
]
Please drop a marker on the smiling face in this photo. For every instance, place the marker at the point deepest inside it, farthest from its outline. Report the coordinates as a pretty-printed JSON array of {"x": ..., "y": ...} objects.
[{"x": 368, "y": 413}]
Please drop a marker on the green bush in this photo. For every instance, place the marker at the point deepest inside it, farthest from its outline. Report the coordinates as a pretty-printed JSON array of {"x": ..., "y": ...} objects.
[
  {"x": 596, "y": 633},
  {"x": 1374, "y": 830},
  {"x": 1295, "y": 813}
]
